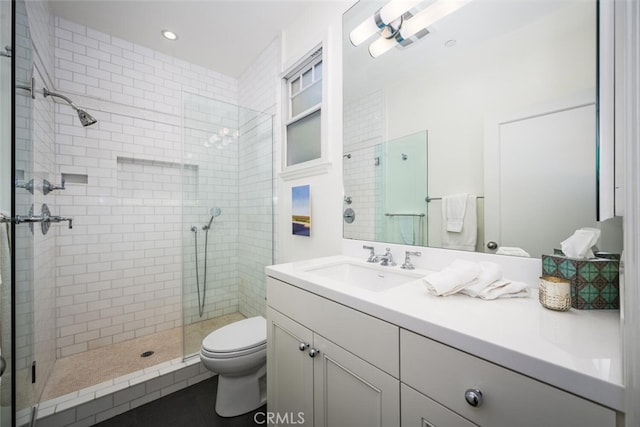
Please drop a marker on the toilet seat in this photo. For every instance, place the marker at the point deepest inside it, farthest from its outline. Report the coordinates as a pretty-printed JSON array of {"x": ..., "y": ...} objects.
[{"x": 236, "y": 339}]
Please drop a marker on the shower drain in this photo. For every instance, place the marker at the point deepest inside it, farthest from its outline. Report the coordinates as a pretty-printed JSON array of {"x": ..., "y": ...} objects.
[{"x": 147, "y": 353}]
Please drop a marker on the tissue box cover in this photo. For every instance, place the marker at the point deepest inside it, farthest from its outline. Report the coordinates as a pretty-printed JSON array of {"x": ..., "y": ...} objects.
[{"x": 595, "y": 282}]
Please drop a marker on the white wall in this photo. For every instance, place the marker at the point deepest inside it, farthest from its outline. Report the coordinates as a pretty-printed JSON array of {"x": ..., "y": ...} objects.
[{"x": 321, "y": 23}]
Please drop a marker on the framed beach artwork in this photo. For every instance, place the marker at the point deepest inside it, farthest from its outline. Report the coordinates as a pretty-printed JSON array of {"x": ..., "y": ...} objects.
[{"x": 301, "y": 211}]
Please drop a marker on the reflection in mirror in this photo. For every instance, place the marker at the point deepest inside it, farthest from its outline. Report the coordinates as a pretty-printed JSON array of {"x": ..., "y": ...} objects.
[
  {"x": 479, "y": 69},
  {"x": 393, "y": 208}
]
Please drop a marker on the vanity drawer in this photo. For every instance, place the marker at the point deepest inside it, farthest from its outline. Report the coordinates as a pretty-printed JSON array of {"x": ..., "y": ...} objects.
[
  {"x": 417, "y": 410},
  {"x": 370, "y": 338},
  {"x": 508, "y": 398}
]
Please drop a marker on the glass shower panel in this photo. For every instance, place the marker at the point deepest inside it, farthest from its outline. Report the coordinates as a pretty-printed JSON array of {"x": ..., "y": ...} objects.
[
  {"x": 401, "y": 179},
  {"x": 227, "y": 214},
  {"x": 23, "y": 205},
  {"x": 6, "y": 357}
]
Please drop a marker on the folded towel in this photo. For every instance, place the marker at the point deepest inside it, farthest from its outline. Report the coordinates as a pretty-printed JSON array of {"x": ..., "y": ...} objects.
[
  {"x": 482, "y": 280},
  {"x": 512, "y": 250},
  {"x": 453, "y": 210},
  {"x": 505, "y": 289},
  {"x": 452, "y": 278},
  {"x": 489, "y": 274},
  {"x": 465, "y": 239}
]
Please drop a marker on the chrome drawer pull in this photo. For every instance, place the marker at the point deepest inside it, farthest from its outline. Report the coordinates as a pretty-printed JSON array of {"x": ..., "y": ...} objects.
[{"x": 473, "y": 396}]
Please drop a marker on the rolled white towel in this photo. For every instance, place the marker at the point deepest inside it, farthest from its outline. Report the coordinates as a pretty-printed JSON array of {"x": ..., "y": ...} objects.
[
  {"x": 452, "y": 278},
  {"x": 490, "y": 273},
  {"x": 505, "y": 289}
]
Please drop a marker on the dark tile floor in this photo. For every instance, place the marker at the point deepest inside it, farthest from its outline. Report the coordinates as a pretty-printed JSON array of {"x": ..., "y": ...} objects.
[{"x": 193, "y": 407}]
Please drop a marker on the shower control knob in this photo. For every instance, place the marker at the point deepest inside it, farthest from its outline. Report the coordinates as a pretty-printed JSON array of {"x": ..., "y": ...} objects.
[
  {"x": 473, "y": 396},
  {"x": 314, "y": 352},
  {"x": 303, "y": 346}
]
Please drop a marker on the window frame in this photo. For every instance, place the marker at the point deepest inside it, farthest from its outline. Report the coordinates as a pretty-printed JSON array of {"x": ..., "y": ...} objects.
[{"x": 307, "y": 63}]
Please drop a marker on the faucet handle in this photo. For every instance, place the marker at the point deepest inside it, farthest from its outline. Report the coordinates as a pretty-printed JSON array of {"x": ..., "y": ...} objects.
[
  {"x": 407, "y": 265},
  {"x": 372, "y": 253}
]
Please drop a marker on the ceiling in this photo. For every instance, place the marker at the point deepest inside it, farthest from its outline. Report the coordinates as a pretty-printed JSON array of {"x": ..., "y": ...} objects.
[{"x": 225, "y": 36}]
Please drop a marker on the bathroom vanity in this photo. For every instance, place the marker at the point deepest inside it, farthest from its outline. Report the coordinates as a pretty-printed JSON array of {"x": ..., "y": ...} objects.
[{"x": 352, "y": 343}]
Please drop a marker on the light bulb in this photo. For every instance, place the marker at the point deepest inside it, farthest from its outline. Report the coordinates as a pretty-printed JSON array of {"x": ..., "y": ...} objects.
[
  {"x": 420, "y": 21},
  {"x": 387, "y": 14}
]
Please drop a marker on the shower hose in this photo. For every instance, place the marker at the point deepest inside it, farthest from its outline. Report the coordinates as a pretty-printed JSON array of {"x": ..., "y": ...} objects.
[{"x": 204, "y": 280}]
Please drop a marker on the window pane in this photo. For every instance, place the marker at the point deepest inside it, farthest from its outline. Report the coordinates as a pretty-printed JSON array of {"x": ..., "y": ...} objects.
[
  {"x": 318, "y": 72},
  {"x": 303, "y": 139},
  {"x": 306, "y": 99},
  {"x": 295, "y": 86},
  {"x": 307, "y": 78}
]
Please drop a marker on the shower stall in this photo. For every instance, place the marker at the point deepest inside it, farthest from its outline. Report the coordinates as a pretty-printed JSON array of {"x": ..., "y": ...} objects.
[{"x": 161, "y": 240}]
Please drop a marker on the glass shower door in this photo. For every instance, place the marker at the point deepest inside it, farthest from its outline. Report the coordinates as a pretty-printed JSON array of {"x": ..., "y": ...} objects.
[{"x": 6, "y": 400}]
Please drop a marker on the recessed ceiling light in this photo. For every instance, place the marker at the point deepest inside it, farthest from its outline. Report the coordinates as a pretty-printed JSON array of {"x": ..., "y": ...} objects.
[{"x": 170, "y": 35}]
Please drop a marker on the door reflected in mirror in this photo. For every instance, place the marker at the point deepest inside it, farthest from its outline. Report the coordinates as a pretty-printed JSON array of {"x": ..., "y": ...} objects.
[{"x": 478, "y": 69}]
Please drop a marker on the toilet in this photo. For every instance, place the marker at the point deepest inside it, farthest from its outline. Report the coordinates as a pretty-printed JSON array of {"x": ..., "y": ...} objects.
[{"x": 238, "y": 354}]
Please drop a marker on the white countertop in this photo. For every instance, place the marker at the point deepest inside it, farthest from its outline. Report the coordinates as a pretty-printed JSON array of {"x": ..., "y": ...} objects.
[{"x": 578, "y": 350}]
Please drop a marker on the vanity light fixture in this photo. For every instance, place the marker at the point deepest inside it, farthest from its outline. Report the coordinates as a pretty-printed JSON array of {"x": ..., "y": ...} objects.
[
  {"x": 384, "y": 20},
  {"x": 169, "y": 35},
  {"x": 415, "y": 25}
]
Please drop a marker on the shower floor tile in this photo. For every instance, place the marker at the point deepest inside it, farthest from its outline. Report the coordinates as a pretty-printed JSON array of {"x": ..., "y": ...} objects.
[{"x": 101, "y": 366}]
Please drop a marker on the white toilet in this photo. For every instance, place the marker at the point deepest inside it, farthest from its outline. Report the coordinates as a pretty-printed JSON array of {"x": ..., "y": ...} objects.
[{"x": 238, "y": 354}]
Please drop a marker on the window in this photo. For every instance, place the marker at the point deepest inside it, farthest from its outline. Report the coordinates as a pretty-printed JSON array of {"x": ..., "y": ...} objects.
[{"x": 304, "y": 89}]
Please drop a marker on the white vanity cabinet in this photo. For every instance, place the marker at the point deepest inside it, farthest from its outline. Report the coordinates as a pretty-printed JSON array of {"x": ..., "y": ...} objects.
[
  {"x": 328, "y": 364},
  {"x": 507, "y": 398}
]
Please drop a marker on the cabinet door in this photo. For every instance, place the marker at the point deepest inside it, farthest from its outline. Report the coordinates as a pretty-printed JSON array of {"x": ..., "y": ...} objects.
[
  {"x": 420, "y": 411},
  {"x": 351, "y": 392},
  {"x": 289, "y": 370}
]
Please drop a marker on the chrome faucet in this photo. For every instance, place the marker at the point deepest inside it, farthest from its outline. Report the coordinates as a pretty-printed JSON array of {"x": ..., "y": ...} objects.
[
  {"x": 407, "y": 260},
  {"x": 387, "y": 258},
  {"x": 372, "y": 253}
]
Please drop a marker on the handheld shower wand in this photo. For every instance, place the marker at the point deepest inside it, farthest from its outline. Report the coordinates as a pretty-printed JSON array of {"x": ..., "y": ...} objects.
[{"x": 215, "y": 212}]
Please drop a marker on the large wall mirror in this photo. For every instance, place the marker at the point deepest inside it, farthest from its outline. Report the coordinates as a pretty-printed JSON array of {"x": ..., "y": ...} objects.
[{"x": 489, "y": 117}]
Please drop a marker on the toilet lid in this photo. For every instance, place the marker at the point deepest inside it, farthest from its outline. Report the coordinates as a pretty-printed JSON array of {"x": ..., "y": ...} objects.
[{"x": 237, "y": 336}]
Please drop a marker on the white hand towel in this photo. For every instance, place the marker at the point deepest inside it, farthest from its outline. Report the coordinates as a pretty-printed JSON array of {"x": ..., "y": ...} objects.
[
  {"x": 505, "y": 289},
  {"x": 452, "y": 278},
  {"x": 407, "y": 232},
  {"x": 466, "y": 239},
  {"x": 512, "y": 250},
  {"x": 490, "y": 273},
  {"x": 453, "y": 210}
]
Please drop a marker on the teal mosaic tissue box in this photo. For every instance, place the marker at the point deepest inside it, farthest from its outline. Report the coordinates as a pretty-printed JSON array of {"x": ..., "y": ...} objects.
[{"x": 595, "y": 283}]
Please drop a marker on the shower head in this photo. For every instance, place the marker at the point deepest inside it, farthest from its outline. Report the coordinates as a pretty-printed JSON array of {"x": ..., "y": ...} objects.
[{"x": 85, "y": 118}]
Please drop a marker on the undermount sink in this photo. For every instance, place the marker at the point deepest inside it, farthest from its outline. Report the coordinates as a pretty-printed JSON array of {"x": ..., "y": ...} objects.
[{"x": 370, "y": 277}]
